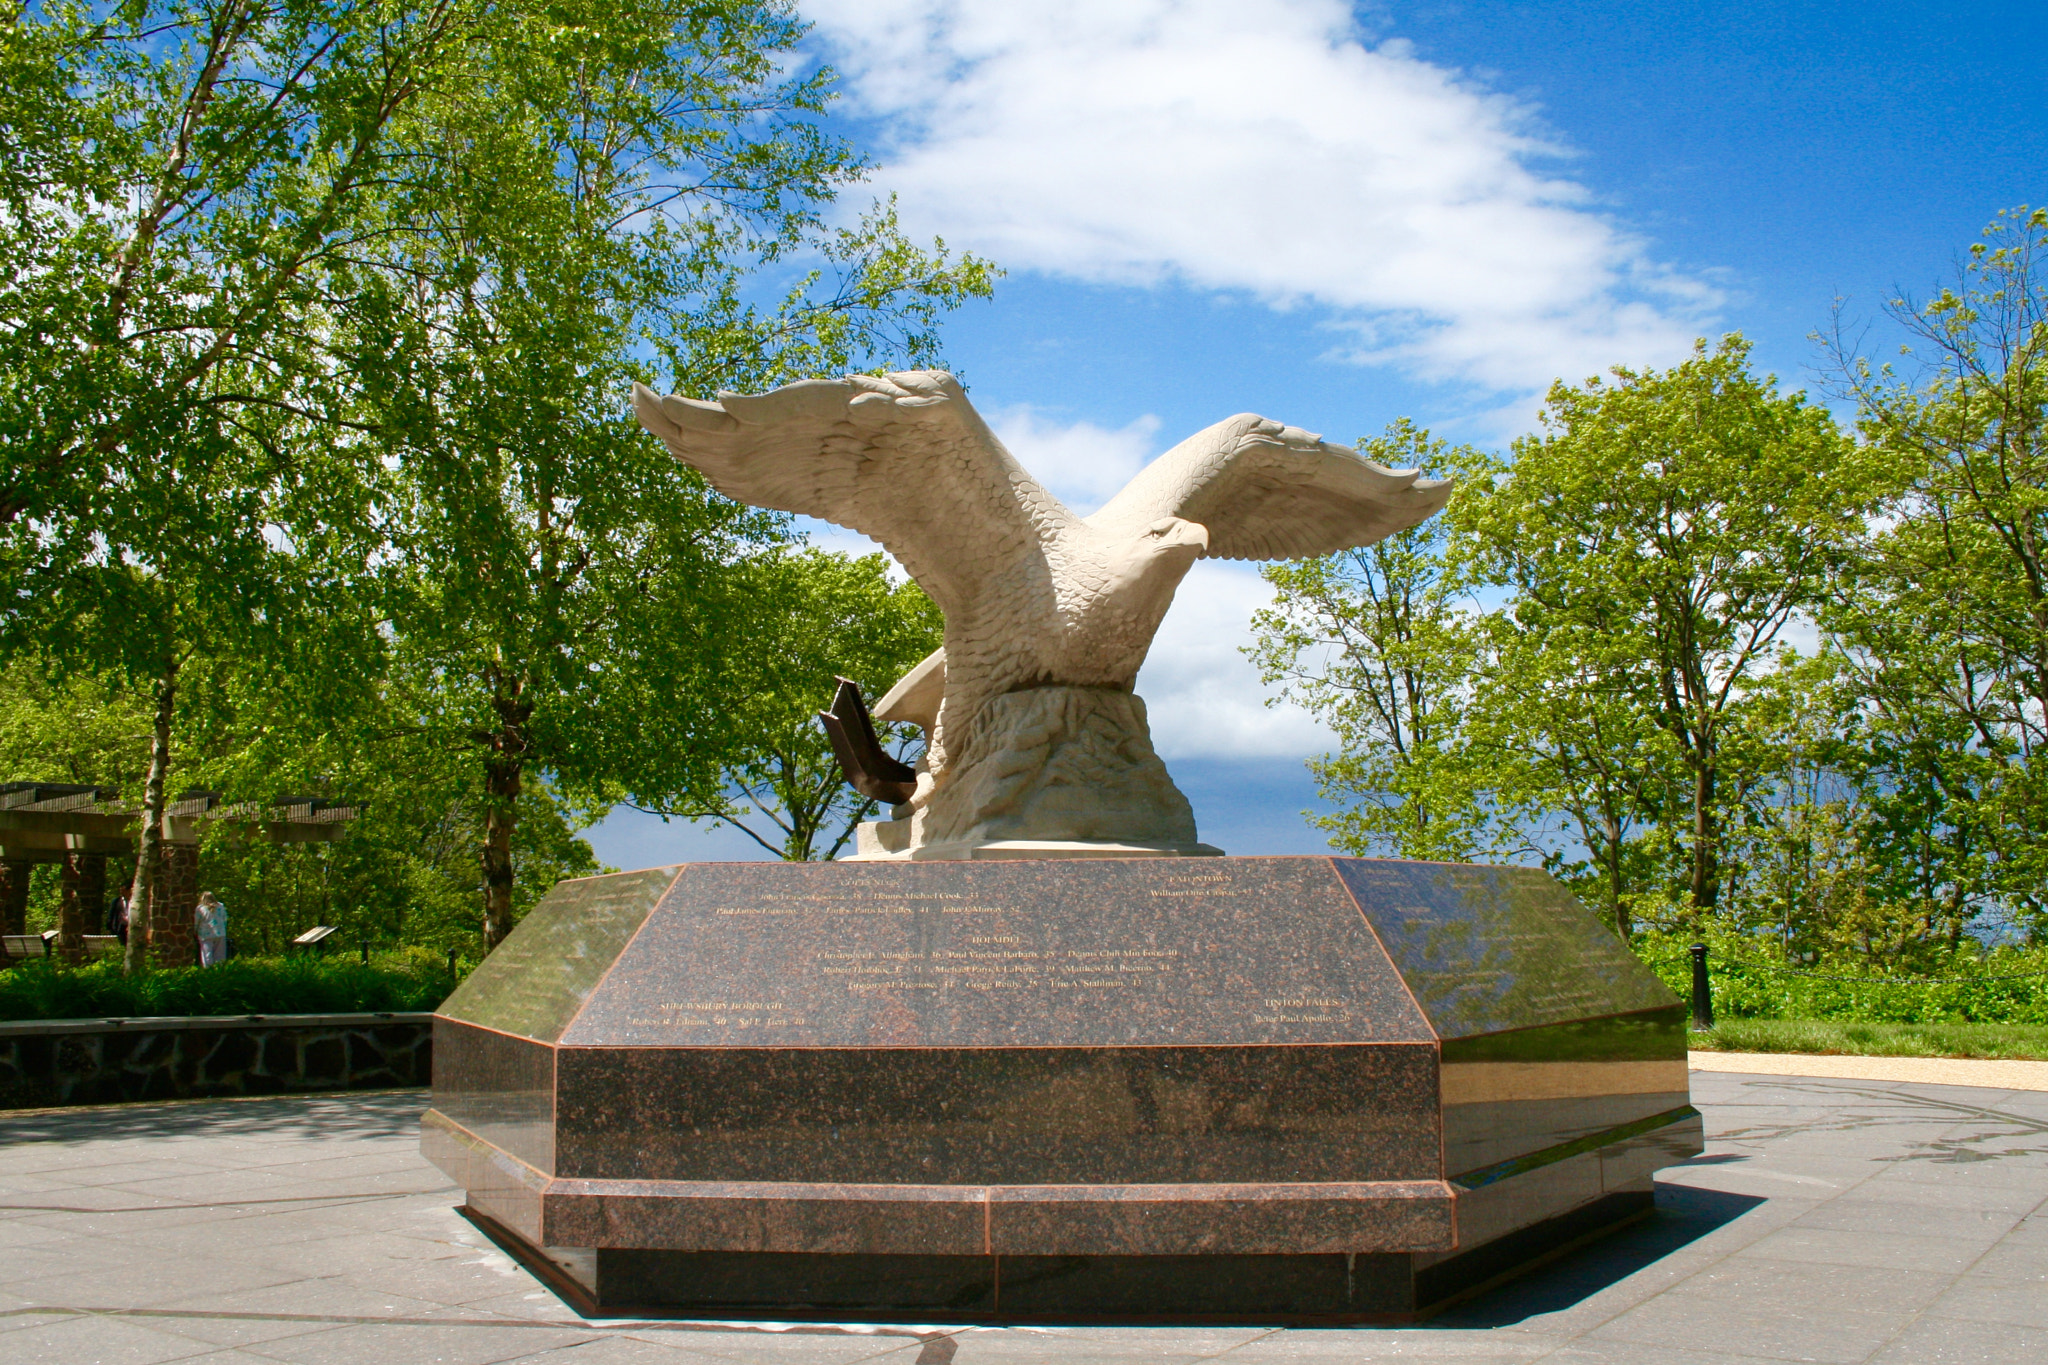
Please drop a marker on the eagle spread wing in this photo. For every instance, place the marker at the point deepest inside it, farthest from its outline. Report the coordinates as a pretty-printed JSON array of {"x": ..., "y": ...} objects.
[
  {"x": 1267, "y": 491},
  {"x": 903, "y": 459}
]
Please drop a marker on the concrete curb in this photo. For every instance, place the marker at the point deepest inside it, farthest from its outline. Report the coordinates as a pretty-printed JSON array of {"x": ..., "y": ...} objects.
[{"x": 1982, "y": 1073}]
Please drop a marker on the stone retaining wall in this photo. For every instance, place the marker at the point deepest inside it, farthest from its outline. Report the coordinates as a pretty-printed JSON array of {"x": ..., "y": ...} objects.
[{"x": 104, "y": 1061}]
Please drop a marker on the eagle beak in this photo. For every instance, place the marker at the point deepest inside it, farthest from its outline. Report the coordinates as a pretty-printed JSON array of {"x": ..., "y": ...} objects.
[{"x": 1197, "y": 534}]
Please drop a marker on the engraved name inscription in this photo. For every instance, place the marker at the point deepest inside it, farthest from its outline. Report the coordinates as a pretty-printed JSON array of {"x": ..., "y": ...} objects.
[{"x": 869, "y": 958}]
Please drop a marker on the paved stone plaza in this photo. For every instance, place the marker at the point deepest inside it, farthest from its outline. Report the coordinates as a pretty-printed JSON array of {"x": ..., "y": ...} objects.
[{"x": 1830, "y": 1220}]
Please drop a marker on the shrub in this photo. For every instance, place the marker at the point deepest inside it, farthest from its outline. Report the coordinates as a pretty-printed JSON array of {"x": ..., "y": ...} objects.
[
  {"x": 305, "y": 984},
  {"x": 2008, "y": 986}
]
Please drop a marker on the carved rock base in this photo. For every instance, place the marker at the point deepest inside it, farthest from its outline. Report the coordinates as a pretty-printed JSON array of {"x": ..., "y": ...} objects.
[{"x": 1049, "y": 772}]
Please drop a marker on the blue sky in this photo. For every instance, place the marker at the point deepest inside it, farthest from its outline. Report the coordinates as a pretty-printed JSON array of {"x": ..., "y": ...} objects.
[{"x": 1335, "y": 215}]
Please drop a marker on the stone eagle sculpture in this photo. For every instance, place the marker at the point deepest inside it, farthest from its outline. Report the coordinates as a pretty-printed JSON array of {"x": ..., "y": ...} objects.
[{"x": 1036, "y": 745}]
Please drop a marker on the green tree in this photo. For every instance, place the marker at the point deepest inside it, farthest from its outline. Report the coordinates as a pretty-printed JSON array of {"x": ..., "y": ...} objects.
[
  {"x": 74, "y": 729},
  {"x": 405, "y": 870},
  {"x": 408, "y": 868},
  {"x": 1384, "y": 645},
  {"x": 181, "y": 179},
  {"x": 1562, "y": 739},
  {"x": 1943, "y": 613},
  {"x": 816, "y": 617},
  {"x": 1664, "y": 530},
  {"x": 566, "y": 598}
]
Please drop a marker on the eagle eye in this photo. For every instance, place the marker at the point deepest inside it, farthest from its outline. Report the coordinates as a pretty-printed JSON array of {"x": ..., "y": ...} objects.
[{"x": 1160, "y": 527}]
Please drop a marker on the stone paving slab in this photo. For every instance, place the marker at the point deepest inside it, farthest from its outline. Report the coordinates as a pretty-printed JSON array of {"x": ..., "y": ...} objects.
[
  {"x": 1984, "y": 1073},
  {"x": 1831, "y": 1219}
]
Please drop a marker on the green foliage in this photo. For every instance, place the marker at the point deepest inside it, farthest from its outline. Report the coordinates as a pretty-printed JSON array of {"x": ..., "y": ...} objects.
[
  {"x": 1589, "y": 660},
  {"x": 2025, "y": 1041},
  {"x": 301, "y": 984},
  {"x": 76, "y": 730},
  {"x": 1382, "y": 644},
  {"x": 1565, "y": 660},
  {"x": 2009, "y": 986},
  {"x": 1658, "y": 538},
  {"x": 193, "y": 187},
  {"x": 815, "y": 617},
  {"x": 316, "y": 345},
  {"x": 564, "y": 596},
  {"x": 406, "y": 869},
  {"x": 1942, "y": 616}
]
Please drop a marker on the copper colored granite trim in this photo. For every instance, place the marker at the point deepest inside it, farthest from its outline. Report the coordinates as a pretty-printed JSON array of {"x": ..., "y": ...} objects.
[
  {"x": 1170, "y": 1220},
  {"x": 1013, "y": 1220},
  {"x": 742, "y": 1216}
]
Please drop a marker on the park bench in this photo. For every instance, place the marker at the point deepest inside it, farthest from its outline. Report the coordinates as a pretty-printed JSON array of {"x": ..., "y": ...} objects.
[{"x": 21, "y": 947}]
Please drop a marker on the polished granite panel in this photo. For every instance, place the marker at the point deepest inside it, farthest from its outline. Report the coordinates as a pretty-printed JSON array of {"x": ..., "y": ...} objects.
[
  {"x": 1653, "y": 1035},
  {"x": 1625, "y": 1166},
  {"x": 808, "y": 1283},
  {"x": 1633, "y": 1164},
  {"x": 1494, "y": 1210},
  {"x": 498, "y": 1086},
  {"x": 999, "y": 1115},
  {"x": 1437, "y": 1281},
  {"x": 494, "y": 1183},
  {"x": 1097, "y": 953},
  {"x": 1478, "y": 1136},
  {"x": 1488, "y": 949},
  {"x": 534, "y": 982},
  {"x": 1507, "y": 1094},
  {"x": 1265, "y": 1288}
]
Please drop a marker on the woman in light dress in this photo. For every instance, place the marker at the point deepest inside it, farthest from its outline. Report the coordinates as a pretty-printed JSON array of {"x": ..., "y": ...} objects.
[{"x": 211, "y": 921}]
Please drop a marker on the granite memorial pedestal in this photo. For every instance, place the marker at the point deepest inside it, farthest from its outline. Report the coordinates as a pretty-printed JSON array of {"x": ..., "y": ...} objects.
[{"x": 1283, "y": 1089}]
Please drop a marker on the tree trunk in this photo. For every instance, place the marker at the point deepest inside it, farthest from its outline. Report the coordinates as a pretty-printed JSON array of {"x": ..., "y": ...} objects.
[
  {"x": 1706, "y": 853},
  {"x": 502, "y": 781},
  {"x": 83, "y": 889},
  {"x": 1621, "y": 919},
  {"x": 14, "y": 885},
  {"x": 504, "y": 775},
  {"x": 149, "y": 843}
]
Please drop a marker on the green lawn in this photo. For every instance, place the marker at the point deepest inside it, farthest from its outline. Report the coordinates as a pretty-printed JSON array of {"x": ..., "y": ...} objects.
[{"x": 1876, "y": 1040}]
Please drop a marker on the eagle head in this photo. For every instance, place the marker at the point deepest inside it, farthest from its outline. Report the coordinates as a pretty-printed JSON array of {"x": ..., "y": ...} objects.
[{"x": 1146, "y": 568}]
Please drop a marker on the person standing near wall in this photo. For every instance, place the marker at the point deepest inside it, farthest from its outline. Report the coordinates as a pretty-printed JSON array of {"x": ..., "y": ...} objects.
[
  {"x": 117, "y": 917},
  {"x": 210, "y": 922}
]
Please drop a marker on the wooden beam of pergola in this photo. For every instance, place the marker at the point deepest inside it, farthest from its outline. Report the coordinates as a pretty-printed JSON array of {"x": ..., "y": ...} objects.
[{"x": 45, "y": 822}]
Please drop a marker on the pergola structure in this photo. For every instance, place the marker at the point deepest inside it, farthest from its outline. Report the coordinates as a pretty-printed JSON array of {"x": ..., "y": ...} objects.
[{"x": 81, "y": 827}]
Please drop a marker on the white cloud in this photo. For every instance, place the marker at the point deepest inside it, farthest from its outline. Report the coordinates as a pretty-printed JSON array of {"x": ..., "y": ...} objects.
[
  {"x": 1202, "y": 694},
  {"x": 1083, "y": 464},
  {"x": 1261, "y": 146}
]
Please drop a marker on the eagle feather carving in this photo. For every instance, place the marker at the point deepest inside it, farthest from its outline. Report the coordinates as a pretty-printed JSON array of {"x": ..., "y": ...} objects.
[{"x": 1033, "y": 595}]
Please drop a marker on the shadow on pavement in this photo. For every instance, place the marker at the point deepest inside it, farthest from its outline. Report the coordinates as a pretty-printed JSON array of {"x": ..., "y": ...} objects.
[
  {"x": 357, "y": 1114},
  {"x": 1684, "y": 1215}
]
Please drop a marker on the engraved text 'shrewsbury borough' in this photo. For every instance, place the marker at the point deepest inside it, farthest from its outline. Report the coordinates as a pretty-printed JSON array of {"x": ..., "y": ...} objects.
[{"x": 1037, "y": 745}]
